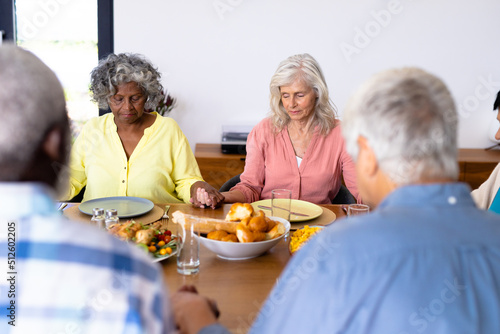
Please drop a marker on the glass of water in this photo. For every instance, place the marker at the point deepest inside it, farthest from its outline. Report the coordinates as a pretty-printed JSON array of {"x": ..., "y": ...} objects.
[
  {"x": 280, "y": 203},
  {"x": 188, "y": 249},
  {"x": 357, "y": 209}
]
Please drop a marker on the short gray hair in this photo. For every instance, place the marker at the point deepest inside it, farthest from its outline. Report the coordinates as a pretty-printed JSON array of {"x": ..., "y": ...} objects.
[
  {"x": 410, "y": 121},
  {"x": 305, "y": 67},
  {"x": 117, "y": 69},
  {"x": 31, "y": 103}
]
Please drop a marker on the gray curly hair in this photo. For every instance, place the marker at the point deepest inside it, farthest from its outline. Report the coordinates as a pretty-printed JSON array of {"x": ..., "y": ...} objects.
[
  {"x": 305, "y": 67},
  {"x": 117, "y": 69}
]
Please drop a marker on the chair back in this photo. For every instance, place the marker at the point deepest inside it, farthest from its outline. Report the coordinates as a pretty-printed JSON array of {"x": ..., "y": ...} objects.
[
  {"x": 344, "y": 196},
  {"x": 230, "y": 183}
]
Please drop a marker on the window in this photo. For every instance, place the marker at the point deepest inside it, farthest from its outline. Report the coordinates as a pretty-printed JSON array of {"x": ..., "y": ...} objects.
[{"x": 69, "y": 36}]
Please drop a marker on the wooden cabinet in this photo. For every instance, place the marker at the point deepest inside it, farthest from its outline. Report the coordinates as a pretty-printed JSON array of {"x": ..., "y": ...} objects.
[
  {"x": 476, "y": 165},
  {"x": 216, "y": 167}
]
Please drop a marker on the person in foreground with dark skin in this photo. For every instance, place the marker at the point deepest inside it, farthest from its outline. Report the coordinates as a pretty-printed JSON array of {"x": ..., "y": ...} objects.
[
  {"x": 426, "y": 260},
  {"x": 65, "y": 276}
]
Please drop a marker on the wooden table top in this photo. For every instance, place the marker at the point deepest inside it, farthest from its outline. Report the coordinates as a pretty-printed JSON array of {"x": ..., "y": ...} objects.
[{"x": 239, "y": 287}]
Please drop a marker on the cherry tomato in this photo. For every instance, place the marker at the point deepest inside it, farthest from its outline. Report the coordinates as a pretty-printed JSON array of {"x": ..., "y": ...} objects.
[
  {"x": 168, "y": 239},
  {"x": 160, "y": 243},
  {"x": 152, "y": 249},
  {"x": 167, "y": 232},
  {"x": 163, "y": 251},
  {"x": 168, "y": 250},
  {"x": 160, "y": 237}
]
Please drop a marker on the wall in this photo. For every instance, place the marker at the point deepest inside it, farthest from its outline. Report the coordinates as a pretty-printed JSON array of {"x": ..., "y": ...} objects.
[{"x": 217, "y": 56}]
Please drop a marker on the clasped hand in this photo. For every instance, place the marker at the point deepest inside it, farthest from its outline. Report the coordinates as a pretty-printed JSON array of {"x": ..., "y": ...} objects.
[{"x": 204, "y": 195}]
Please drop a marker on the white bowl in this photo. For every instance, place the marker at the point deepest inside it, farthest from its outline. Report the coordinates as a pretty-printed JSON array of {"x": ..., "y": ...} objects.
[{"x": 243, "y": 251}]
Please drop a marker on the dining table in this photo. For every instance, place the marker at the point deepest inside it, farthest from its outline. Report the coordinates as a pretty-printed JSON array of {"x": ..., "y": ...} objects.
[{"x": 239, "y": 287}]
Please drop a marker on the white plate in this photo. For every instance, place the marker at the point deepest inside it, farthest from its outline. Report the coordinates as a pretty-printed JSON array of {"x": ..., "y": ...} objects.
[
  {"x": 158, "y": 259},
  {"x": 243, "y": 251},
  {"x": 126, "y": 206},
  {"x": 311, "y": 210}
]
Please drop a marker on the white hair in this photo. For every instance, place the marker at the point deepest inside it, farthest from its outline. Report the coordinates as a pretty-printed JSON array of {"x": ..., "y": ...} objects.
[
  {"x": 410, "y": 121},
  {"x": 31, "y": 103},
  {"x": 304, "y": 67}
]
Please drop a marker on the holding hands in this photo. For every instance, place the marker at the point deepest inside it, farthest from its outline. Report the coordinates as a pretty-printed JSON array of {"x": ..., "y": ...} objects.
[{"x": 204, "y": 195}]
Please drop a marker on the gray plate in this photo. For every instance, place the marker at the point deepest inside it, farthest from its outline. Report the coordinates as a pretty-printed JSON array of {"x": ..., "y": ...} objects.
[{"x": 125, "y": 205}]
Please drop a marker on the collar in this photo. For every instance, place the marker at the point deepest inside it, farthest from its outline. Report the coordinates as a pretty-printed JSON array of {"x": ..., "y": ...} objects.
[
  {"x": 110, "y": 120},
  {"x": 21, "y": 199},
  {"x": 433, "y": 194}
]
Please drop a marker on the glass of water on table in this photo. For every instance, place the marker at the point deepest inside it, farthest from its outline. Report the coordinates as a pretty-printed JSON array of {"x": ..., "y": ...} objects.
[
  {"x": 188, "y": 248},
  {"x": 281, "y": 203}
]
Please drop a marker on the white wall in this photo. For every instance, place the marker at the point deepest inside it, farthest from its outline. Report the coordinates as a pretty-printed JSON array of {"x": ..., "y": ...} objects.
[{"x": 217, "y": 56}]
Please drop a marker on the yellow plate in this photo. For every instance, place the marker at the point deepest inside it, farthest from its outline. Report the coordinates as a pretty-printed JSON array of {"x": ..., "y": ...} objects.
[{"x": 311, "y": 210}]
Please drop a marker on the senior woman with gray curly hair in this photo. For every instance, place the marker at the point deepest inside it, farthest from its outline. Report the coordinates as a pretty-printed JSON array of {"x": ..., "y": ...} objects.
[
  {"x": 299, "y": 146},
  {"x": 130, "y": 152}
]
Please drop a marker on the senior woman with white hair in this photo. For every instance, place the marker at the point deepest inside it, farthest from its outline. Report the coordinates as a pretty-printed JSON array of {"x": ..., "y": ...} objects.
[
  {"x": 299, "y": 146},
  {"x": 130, "y": 152},
  {"x": 425, "y": 260}
]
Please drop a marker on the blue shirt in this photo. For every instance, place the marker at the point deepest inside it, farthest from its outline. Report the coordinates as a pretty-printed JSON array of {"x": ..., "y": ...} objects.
[
  {"x": 425, "y": 261},
  {"x": 69, "y": 277}
]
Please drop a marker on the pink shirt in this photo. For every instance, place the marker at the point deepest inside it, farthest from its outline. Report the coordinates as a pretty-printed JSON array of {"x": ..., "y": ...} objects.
[{"x": 271, "y": 164}]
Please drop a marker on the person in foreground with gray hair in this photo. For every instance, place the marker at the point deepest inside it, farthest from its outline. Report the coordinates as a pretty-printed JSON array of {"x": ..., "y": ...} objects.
[
  {"x": 59, "y": 276},
  {"x": 426, "y": 260}
]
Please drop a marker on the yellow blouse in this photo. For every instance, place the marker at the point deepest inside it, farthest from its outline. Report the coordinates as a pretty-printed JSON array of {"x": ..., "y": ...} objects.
[{"x": 162, "y": 167}]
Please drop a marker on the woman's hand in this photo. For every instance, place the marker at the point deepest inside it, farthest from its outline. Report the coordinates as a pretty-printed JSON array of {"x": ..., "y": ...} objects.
[
  {"x": 192, "y": 312},
  {"x": 203, "y": 195}
]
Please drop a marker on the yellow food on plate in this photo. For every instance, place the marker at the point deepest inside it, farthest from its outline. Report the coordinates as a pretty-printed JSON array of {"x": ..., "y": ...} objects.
[{"x": 301, "y": 236}]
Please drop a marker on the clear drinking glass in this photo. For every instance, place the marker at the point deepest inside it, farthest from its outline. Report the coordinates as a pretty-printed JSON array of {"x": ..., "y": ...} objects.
[
  {"x": 188, "y": 249},
  {"x": 280, "y": 203},
  {"x": 357, "y": 209}
]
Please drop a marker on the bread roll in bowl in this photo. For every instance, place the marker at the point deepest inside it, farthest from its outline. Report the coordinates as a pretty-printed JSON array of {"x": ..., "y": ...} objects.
[
  {"x": 241, "y": 220},
  {"x": 247, "y": 250}
]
